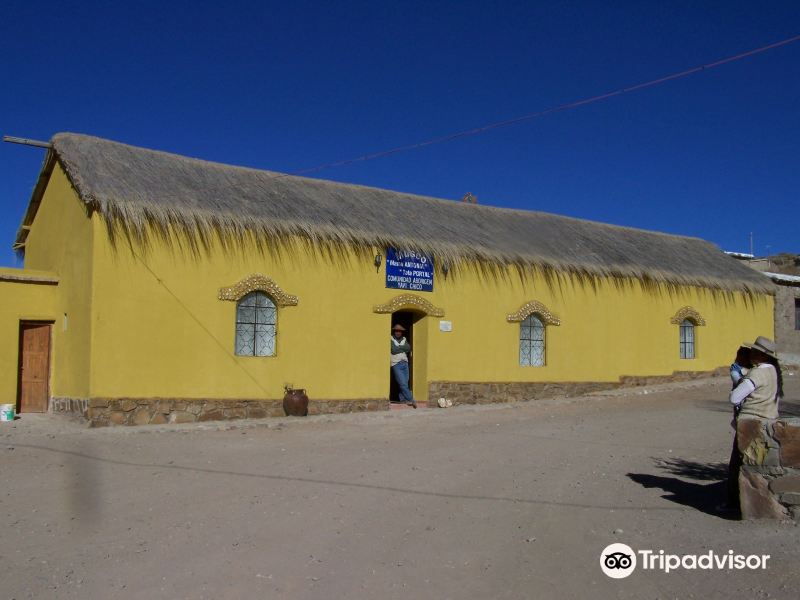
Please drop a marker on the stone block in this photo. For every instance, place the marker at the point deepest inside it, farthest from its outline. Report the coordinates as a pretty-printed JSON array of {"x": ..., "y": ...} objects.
[
  {"x": 235, "y": 413},
  {"x": 773, "y": 458},
  {"x": 181, "y": 416},
  {"x": 792, "y": 498},
  {"x": 256, "y": 412},
  {"x": 127, "y": 405},
  {"x": 118, "y": 418},
  {"x": 141, "y": 416},
  {"x": 767, "y": 470},
  {"x": 98, "y": 403},
  {"x": 755, "y": 499},
  {"x": 213, "y": 414},
  {"x": 788, "y": 436},
  {"x": 194, "y": 407},
  {"x": 781, "y": 485},
  {"x": 164, "y": 407},
  {"x": 751, "y": 439},
  {"x": 159, "y": 418}
]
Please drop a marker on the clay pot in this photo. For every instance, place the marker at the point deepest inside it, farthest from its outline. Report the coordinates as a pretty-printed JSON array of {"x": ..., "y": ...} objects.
[{"x": 295, "y": 403}]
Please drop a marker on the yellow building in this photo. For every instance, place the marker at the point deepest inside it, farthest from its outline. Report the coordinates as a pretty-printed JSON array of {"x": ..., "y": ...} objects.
[{"x": 162, "y": 288}]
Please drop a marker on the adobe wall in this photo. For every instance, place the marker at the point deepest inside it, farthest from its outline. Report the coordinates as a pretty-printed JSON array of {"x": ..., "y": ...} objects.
[
  {"x": 787, "y": 337},
  {"x": 769, "y": 481},
  {"x": 24, "y": 296}
]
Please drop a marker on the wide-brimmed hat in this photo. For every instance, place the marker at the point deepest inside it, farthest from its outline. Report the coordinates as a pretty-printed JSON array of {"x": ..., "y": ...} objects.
[
  {"x": 398, "y": 327},
  {"x": 763, "y": 344}
]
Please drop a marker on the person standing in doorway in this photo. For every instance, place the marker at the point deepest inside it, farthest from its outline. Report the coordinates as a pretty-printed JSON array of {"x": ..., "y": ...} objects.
[{"x": 399, "y": 362}]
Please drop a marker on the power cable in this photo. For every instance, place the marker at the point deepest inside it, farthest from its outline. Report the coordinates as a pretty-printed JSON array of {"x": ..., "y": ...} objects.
[
  {"x": 197, "y": 320},
  {"x": 542, "y": 113}
]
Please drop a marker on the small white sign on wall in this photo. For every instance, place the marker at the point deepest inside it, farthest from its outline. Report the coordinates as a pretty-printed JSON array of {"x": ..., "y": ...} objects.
[{"x": 445, "y": 326}]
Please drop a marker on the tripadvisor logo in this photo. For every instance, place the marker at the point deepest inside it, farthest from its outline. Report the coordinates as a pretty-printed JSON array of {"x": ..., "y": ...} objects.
[{"x": 620, "y": 560}]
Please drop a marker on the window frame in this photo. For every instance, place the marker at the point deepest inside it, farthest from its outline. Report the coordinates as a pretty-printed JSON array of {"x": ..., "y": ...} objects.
[
  {"x": 685, "y": 345},
  {"x": 797, "y": 314},
  {"x": 271, "y": 306},
  {"x": 527, "y": 324}
]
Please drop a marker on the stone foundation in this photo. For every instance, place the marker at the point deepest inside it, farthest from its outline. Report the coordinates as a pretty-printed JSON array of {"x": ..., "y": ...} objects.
[
  {"x": 77, "y": 407},
  {"x": 100, "y": 412},
  {"x": 158, "y": 411},
  {"x": 496, "y": 392},
  {"x": 461, "y": 392},
  {"x": 677, "y": 376},
  {"x": 769, "y": 481}
]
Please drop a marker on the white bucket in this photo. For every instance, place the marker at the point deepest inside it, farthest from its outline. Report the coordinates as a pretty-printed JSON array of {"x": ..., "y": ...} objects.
[{"x": 7, "y": 412}]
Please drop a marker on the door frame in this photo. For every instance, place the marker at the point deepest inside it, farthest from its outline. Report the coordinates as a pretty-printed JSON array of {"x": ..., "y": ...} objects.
[
  {"x": 49, "y": 324},
  {"x": 413, "y": 318}
]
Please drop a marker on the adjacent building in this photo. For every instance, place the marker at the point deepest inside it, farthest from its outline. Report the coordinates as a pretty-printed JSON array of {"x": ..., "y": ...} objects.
[{"x": 787, "y": 316}]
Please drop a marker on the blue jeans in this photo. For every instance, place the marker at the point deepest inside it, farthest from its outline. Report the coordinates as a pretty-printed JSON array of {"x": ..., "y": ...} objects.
[{"x": 400, "y": 372}]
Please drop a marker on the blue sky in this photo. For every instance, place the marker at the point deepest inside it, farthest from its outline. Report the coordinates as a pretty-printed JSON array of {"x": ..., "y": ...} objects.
[{"x": 286, "y": 86}]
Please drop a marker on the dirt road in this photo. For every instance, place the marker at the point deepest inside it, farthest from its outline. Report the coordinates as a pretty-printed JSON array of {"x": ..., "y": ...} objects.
[{"x": 511, "y": 501}]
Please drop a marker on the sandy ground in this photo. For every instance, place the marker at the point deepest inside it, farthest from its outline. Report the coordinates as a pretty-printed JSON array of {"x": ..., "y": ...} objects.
[{"x": 506, "y": 501}]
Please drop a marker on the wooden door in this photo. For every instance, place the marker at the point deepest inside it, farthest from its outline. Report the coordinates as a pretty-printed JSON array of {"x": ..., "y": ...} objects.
[{"x": 34, "y": 366}]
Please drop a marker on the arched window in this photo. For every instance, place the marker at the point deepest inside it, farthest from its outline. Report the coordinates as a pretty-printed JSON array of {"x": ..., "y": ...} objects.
[
  {"x": 687, "y": 339},
  {"x": 256, "y": 317},
  {"x": 531, "y": 341}
]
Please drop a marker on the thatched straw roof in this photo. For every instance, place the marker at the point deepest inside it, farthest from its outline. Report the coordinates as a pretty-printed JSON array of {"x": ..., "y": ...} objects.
[{"x": 139, "y": 191}]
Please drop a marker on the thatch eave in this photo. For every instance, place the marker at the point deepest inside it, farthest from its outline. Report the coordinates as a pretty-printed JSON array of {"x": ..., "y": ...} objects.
[{"x": 142, "y": 193}]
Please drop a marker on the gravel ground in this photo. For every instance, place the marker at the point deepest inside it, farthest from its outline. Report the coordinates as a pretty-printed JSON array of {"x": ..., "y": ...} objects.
[{"x": 503, "y": 501}]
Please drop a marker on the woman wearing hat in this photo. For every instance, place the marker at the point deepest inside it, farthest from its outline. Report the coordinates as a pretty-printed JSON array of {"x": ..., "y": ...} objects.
[
  {"x": 399, "y": 361},
  {"x": 756, "y": 396}
]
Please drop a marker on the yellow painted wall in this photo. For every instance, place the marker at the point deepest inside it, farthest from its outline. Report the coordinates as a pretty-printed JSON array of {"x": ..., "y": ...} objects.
[
  {"x": 174, "y": 338},
  {"x": 153, "y": 326},
  {"x": 604, "y": 333},
  {"x": 60, "y": 241},
  {"x": 20, "y": 301}
]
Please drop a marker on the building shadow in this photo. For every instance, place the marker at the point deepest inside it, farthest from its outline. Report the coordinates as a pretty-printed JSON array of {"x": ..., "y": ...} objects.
[
  {"x": 704, "y": 494},
  {"x": 694, "y": 470},
  {"x": 788, "y": 407}
]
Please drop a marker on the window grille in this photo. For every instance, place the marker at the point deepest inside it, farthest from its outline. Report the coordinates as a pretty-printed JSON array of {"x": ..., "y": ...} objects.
[
  {"x": 256, "y": 318},
  {"x": 687, "y": 339},
  {"x": 531, "y": 342}
]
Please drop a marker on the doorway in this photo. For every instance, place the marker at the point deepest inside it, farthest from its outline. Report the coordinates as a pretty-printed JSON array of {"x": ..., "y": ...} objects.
[
  {"x": 33, "y": 380},
  {"x": 416, "y": 334}
]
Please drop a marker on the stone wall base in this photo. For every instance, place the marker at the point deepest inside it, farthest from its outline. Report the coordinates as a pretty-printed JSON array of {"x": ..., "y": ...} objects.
[
  {"x": 496, "y": 392},
  {"x": 769, "y": 480},
  {"x": 101, "y": 412},
  {"x": 677, "y": 376},
  {"x": 463, "y": 392},
  {"x": 76, "y": 407}
]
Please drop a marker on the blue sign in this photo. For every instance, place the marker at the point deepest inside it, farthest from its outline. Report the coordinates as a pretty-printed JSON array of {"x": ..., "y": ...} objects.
[{"x": 409, "y": 271}]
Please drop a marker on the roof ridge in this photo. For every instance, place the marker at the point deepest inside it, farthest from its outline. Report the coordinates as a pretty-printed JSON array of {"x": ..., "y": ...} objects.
[{"x": 348, "y": 185}]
